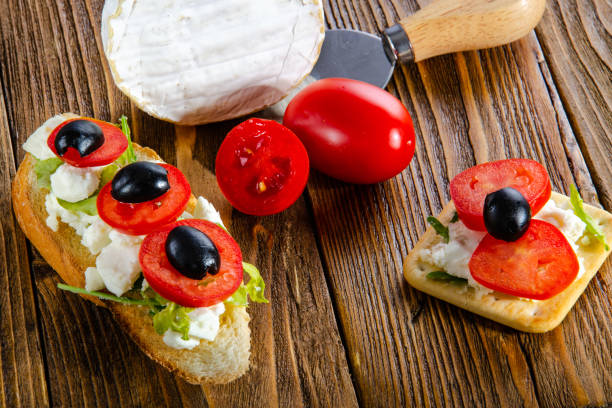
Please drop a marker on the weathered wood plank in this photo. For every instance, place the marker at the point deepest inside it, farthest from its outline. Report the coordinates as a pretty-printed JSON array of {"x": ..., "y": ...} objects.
[
  {"x": 576, "y": 38},
  {"x": 22, "y": 375},
  {"x": 407, "y": 348},
  {"x": 297, "y": 354}
]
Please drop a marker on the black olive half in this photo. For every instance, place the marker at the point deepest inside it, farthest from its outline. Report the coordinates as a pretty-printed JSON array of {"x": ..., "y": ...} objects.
[
  {"x": 139, "y": 182},
  {"x": 192, "y": 253},
  {"x": 83, "y": 135},
  {"x": 506, "y": 214}
]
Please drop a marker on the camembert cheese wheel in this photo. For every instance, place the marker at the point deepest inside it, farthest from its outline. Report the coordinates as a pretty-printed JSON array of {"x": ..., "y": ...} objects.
[{"x": 199, "y": 61}]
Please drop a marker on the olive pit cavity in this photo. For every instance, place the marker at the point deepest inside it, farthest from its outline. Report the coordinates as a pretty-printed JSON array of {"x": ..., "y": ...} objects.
[
  {"x": 192, "y": 253},
  {"x": 140, "y": 182},
  {"x": 83, "y": 135},
  {"x": 507, "y": 214}
]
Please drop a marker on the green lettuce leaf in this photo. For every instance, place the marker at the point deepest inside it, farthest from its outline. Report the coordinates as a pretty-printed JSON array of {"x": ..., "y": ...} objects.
[
  {"x": 591, "y": 225},
  {"x": 129, "y": 156},
  {"x": 440, "y": 228},
  {"x": 173, "y": 317},
  {"x": 254, "y": 288},
  {"x": 44, "y": 169},
  {"x": 87, "y": 206},
  {"x": 166, "y": 314},
  {"x": 445, "y": 277}
]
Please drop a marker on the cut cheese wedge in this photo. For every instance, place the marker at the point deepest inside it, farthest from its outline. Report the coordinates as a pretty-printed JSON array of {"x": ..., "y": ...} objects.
[
  {"x": 199, "y": 61},
  {"x": 519, "y": 313}
]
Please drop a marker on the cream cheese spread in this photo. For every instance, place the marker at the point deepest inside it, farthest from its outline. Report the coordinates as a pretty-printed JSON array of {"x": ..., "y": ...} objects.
[{"x": 453, "y": 257}]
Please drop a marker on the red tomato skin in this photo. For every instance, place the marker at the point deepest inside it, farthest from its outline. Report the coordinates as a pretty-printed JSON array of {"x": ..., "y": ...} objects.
[
  {"x": 143, "y": 218},
  {"x": 538, "y": 265},
  {"x": 115, "y": 143},
  {"x": 172, "y": 285},
  {"x": 531, "y": 180},
  {"x": 276, "y": 156},
  {"x": 352, "y": 130}
]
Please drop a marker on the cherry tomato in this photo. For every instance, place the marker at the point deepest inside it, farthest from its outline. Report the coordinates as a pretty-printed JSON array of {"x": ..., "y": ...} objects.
[
  {"x": 172, "y": 285},
  {"x": 142, "y": 218},
  {"x": 353, "y": 131},
  {"x": 115, "y": 143},
  {"x": 469, "y": 188},
  {"x": 538, "y": 265},
  {"x": 262, "y": 167}
]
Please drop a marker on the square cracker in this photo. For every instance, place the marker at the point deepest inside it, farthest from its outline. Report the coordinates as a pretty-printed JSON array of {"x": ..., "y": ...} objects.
[{"x": 521, "y": 314}]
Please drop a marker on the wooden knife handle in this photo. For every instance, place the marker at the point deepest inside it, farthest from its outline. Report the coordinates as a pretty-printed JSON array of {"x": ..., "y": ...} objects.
[{"x": 446, "y": 26}]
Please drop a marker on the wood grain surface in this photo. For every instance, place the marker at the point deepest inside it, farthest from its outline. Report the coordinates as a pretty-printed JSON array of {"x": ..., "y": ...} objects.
[{"x": 342, "y": 328}]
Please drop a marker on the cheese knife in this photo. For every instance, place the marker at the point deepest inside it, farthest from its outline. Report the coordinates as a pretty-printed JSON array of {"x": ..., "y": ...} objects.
[{"x": 441, "y": 27}]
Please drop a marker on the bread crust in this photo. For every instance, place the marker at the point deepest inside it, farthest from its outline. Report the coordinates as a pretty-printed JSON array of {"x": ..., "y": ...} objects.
[
  {"x": 521, "y": 314},
  {"x": 217, "y": 362}
]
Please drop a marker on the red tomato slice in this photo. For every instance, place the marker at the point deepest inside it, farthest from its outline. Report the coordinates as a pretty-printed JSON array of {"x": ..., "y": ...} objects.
[
  {"x": 262, "y": 167},
  {"x": 172, "y": 285},
  {"x": 469, "y": 188},
  {"x": 538, "y": 265},
  {"x": 353, "y": 131},
  {"x": 142, "y": 218},
  {"x": 115, "y": 143}
]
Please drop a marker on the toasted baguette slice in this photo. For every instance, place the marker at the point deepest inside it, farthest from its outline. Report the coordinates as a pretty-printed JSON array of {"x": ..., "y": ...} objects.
[
  {"x": 521, "y": 314},
  {"x": 219, "y": 361}
]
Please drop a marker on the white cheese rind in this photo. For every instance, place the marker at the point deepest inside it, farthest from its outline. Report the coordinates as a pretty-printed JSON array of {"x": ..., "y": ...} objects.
[{"x": 210, "y": 60}]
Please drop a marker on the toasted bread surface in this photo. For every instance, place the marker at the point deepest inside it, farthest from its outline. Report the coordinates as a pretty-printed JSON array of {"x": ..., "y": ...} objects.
[
  {"x": 521, "y": 314},
  {"x": 220, "y": 361}
]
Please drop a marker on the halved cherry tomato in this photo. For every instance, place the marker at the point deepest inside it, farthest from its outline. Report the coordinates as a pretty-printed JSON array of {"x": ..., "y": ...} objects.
[
  {"x": 115, "y": 143},
  {"x": 352, "y": 130},
  {"x": 172, "y": 285},
  {"x": 469, "y": 188},
  {"x": 262, "y": 167},
  {"x": 538, "y": 265},
  {"x": 142, "y": 218}
]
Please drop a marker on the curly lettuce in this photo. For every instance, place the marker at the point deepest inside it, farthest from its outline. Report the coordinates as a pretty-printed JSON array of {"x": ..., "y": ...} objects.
[{"x": 591, "y": 225}]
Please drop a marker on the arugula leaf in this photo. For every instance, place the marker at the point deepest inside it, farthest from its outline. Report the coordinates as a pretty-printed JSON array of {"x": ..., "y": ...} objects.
[
  {"x": 88, "y": 205},
  {"x": 254, "y": 288},
  {"x": 129, "y": 156},
  {"x": 44, "y": 169},
  {"x": 455, "y": 218},
  {"x": 591, "y": 225},
  {"x": 439, "y": 227},
  {"x": 445, "y": 277},
  {"x": 105, "y": 296}
]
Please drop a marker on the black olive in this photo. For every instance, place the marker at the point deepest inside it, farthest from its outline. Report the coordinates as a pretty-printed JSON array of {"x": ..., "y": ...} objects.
[
  {"x": 83, "y": 135},
  {"x": 192, "y": 253},
  {"x": 506, "y": 214},
  {"x": 139, "y": 182}
]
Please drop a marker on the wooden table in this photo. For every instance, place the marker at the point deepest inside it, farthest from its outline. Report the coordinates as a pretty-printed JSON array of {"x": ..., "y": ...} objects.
[{"x": 343, "y": 328}]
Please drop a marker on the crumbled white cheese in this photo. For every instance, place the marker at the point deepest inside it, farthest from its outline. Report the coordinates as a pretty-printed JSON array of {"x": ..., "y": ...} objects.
[
  {"x": 204, "y": 326},
  {"x": 93, "y": 280},
  {"x": 96, "y": 236},
  {"x": 79, "y": 221},
  {"x": 118, "y": 264},
  {"x": 174, "y": 340},
  {"x": 36, "y": 144},
  {"x": 74, "y": 184},
  {"x": 206, "y": 211}
]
